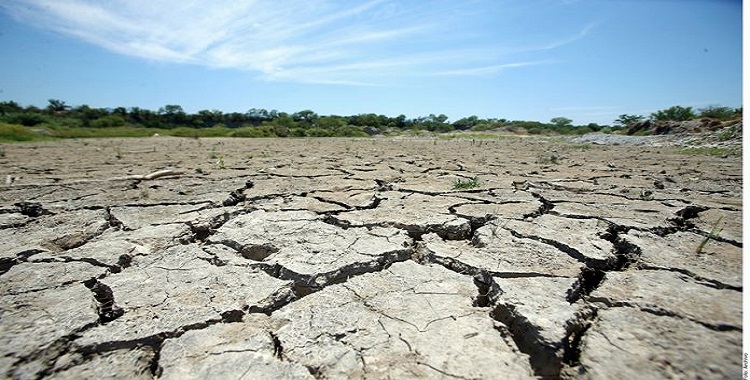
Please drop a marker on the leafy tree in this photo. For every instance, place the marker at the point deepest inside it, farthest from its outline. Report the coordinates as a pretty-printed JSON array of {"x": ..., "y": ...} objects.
[
  {"x": 207, "y": 118},
  {"x": 305, "y": 118},
  {"x": 86, "y": 113},
  {"x": 676, "y": 113},
  {"x": 466, "y": 123},
  {"x": 56, "y": 105},
  {"x": 369, "y": 120},
  {"x": 9, "y": 107},
  {"x": 435, "y": 123},
  {"x": 561, "y": 122},
  {"x": 256, "y": 116},
  {"x": 145, "y": 117},
  {"x": 399, "y": 122},
  {"x": 625, "y": 120},
  {"x": 173, "y": 114},
  {"x": 171, "y": 109}
]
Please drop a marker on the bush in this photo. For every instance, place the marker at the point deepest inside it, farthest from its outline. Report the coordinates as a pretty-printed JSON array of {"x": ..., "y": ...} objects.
[
  {"x": 107, "y": 121},
  {"x": 25, "y": 118},
  {"x": 721, "y": 113},
  {"x": 675, "y": 113},
  {"x": 253, "y": 132},
  {"x": 351, "y": 131}
]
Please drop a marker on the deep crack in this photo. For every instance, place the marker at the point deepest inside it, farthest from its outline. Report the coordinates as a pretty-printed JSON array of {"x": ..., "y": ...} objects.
[{"x": 104, "y": 299}]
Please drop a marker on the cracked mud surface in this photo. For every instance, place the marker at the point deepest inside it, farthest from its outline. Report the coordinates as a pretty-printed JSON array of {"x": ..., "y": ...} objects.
[{"x": 345, "y": 258}]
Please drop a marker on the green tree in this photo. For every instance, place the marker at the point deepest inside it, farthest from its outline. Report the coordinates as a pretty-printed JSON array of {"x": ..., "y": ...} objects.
[
  {"x": 86, "y": 113},
  {"x": 305, "y": 118},
  {"x": 255, "y": 116},
  {"x": 9, "y": 107},
  {"x": 435, "y": 123},
  {"x": 56, "y": 105},
  {"x": 595, "y": 127},
  {"x": 676, "y": 113},
  {"x": 145, "y": 117},
  {"x": 399, "y": 122},
  {"x": 173, "y": 114},
  {"x": 561, "y": 122},
  {"x": 208, "y": 118},
  {"x": 466, "y": 123},
  {"x": 625, "y": 120}
]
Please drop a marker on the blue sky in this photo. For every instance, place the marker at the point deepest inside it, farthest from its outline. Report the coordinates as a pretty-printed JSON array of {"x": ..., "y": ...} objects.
[{"x": 588, "y": 60}]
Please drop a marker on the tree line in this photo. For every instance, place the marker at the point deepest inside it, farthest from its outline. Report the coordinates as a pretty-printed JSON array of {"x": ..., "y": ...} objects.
[{"x": 257, "y": 122}]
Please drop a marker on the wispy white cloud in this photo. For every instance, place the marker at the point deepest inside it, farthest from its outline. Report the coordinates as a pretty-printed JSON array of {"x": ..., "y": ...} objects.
[
  {"x": 567, "y": 40},
  {"x": 372, "y": 42},
  {"x": 486, "y": 70}
]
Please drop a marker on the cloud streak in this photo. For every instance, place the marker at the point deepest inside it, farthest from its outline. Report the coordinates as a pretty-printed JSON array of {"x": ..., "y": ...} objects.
[{"x": 375, "y": 42}]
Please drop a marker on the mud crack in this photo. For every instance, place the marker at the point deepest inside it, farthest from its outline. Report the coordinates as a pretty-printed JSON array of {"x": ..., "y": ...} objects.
[{"x": 104, "y": 301}]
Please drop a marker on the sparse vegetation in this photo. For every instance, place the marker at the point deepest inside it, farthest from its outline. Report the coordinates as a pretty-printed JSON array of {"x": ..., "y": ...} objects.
[
  {"x": 711, "y": 151},
  {"x": 548, "y": 159},
  {"x": 730, "y": 133},
  {"x": 466, "y": 184},
  {"x": 580, "y": 147},
  {"x": 720, "y": 113}
]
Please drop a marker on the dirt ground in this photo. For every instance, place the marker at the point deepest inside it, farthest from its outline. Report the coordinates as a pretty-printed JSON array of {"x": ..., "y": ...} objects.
[{"x": 384, "y": 257}]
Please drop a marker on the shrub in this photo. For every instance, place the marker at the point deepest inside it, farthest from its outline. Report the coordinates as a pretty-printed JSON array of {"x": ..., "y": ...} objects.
[
  {"x": 250, "y": 131},
  {"x": 108, "y": 121},
  {"x": 464, "y": 184},
  {"x": 721, "y": 113},
  {"x": 25, "y": 118}
]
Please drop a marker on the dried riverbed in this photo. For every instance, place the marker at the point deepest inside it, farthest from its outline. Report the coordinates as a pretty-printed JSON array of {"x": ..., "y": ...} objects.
[{"x": 353, "y": 258}]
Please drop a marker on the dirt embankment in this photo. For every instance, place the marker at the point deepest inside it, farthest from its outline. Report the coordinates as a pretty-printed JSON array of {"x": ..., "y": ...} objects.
[{"x": 352, "y": 258}]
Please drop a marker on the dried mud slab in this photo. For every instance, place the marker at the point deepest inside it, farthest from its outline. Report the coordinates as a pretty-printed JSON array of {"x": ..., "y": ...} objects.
[
  {"x": 627, "y": 343},
  {"x": 516, "y": 257},
  {"x": 408, "y": 321}
]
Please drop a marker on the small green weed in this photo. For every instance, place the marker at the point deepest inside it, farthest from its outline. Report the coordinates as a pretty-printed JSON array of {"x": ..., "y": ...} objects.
[
  {"x": 580, "y": 147},
  {"x": 710, "y": 151},
  {"x": 465, "y": 184},
  {"x": 715, "y": 230},
  {"x": 220, "y": 163}
]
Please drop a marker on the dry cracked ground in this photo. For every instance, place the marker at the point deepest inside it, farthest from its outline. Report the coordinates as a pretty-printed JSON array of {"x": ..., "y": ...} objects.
[{"x": 359, "y": 258}]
